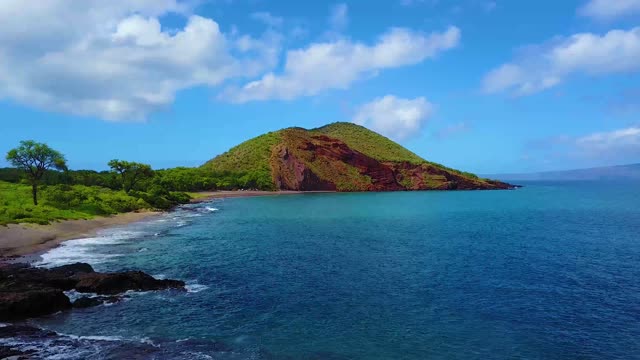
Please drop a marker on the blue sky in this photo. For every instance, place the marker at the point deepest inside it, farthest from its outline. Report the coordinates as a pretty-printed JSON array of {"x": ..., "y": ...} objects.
[{"x": 483, "y": 86}]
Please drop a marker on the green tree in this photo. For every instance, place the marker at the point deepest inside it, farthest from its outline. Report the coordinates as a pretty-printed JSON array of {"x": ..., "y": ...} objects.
[
  {"x": 131, "y": 173},
  {"x": 35, "y": 159}
]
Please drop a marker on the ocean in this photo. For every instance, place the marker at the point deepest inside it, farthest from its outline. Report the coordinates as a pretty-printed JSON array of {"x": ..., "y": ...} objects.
[{"x": 548, "y": 271}]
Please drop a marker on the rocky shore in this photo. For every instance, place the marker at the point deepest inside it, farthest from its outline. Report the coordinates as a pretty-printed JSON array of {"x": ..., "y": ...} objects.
[{"x": 27, "y": 291}]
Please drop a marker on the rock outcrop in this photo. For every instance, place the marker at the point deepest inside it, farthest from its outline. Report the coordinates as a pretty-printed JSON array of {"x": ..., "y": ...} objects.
[
  {"x": 116, "y": 283},
  {"x": 30, "y": 292},
  {"x": 306, "y": 162},
  {"x": 340, "y": 157}
]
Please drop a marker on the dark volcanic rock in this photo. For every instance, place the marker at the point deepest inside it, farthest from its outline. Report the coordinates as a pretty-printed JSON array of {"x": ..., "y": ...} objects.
[
  {"x": 7, "y": 352},
  {"x": 29, "y": 292},
  {"x": 17, "y": 277},
  {"x": 116, "y": 283},
  {"x": 32, "y": 303},
  {"x": 22, "y": 332},
  {"x": 12, "y": 331},
  {"x": 73, "y": 269}
]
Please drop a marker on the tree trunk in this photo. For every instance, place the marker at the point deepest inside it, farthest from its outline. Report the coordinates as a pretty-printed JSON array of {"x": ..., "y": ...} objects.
[{"x": 34, "y": 191}]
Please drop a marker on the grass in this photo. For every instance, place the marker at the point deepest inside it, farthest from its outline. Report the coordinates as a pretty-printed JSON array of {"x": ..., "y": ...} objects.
[
  {"x": 198, "y": 194},
  {"x": 250, "y": 156},
  {"x": 257, "y": 156},
  {"x": 370, "y": 143},
  {"x": 62, "y": 203}
]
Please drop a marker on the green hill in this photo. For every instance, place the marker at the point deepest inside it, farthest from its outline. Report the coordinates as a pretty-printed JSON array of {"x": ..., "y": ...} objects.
[{"x": 342, "y": 157}]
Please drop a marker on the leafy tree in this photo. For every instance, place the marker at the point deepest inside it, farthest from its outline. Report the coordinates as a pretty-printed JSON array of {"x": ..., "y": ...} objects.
[
  {"x": 64, "y": 196},
  {"x": 34, "y": 159},
  {"x": 131, "y": 173}
]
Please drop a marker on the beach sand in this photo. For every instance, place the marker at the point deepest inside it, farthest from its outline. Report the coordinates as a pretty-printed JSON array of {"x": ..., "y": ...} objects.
[
  {"x": 25, "y": 241},
  {"x": 208, "y": 195}
]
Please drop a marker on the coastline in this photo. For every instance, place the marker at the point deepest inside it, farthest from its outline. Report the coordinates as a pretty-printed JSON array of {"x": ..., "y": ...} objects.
[
  {"x": 24, "y": 242},
  {"x": 209, "y": 195}
]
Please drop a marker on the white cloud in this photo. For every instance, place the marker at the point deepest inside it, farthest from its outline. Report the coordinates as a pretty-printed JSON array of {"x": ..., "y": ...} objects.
[
  {"x": 545, "y": 66},
  {"x": 337, "y": 64},
  {"x": 267, "y": 18},
  {"x": 614, "y": 146},
  {"x": 610, "y": 143},
  {"x": 339, "y": 18},
  {"x": 609, "y": 9},
  {"x": 113, "y": 60},
  {"x": 394, "y": 117}
]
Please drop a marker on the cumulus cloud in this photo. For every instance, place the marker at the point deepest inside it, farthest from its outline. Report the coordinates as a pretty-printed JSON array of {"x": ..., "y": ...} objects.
[
  {"x": 337, "y": 64},
  {"x": 113, "y": 59},
  {"x": 544, "y": 66},
  {"x": 609, "y": 9},
  {"x": 394, "y": 117}
]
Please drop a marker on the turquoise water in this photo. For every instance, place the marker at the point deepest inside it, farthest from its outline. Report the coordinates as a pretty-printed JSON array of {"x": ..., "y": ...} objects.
[{"x": 549, "y": 271}]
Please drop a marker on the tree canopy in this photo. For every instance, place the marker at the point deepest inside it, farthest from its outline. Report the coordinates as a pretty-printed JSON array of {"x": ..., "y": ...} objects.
[
  {"x": 131, "y": 173},
  {"x": 35, "y": 159}
]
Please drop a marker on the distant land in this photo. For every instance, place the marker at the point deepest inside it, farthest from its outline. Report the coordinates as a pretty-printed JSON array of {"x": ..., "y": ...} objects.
[
  {"x": 341, "y": 157},
  {"x": 618, "y": 172}
]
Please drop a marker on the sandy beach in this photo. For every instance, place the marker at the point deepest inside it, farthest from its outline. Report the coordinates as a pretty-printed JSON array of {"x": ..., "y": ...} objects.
[
  {"x": 19, "y": 240},
  {"x": 25, "y": 239}
]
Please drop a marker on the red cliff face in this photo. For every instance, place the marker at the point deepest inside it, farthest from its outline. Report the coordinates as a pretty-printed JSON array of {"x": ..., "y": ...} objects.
[
  {"x": 292, "y": 174},
  {"x": 319, "y": 162}
]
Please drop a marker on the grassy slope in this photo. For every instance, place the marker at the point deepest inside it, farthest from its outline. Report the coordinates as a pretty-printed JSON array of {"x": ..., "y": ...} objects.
[
  {"x": 377, "y": 146},
  {"x": 16, "y": 205},
  {"x": 369, "y": 143},
  {"x": 251, "y": 155},
  {"x": 254, "y": 154}
]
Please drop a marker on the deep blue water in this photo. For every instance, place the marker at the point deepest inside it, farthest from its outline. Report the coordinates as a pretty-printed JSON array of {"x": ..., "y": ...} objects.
[{"x": 549, "y": 271}]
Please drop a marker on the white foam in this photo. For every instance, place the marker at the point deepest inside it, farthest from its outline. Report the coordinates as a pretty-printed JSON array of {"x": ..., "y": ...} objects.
[
  {"x": 87, "y": 249},
  {"x": 95, "y": 337},
  {"x": 181, "y": 223},
  {"x": 71, "y": 252},
  {"x": 195, "y": 288},
  {"x": 73, "y": 295},
  {"x": 211, "y": 209}
]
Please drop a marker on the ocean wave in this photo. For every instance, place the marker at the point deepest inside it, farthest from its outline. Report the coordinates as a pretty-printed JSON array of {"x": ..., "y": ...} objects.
[
  {"x": 181, "y": 223},
  {"x": 70, "y": 346},
  {"x": 195, "y": 287},
  {"x": 75, "y": 251},
  {"x": 90, "y": 249}
]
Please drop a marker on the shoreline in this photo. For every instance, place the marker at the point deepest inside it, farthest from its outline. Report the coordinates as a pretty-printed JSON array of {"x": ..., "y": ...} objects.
[
  {"x": 210, "y": 195},
  {"x": 25, "y": 242}
]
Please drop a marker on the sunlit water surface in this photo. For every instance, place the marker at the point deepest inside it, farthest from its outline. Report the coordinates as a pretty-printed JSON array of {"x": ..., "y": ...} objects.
[{"x": 548, "y": 271}]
